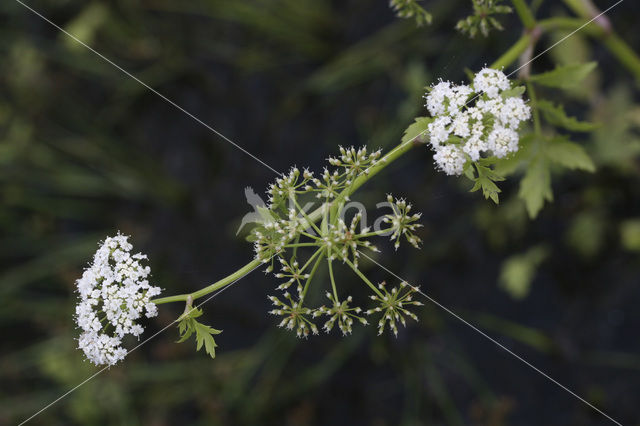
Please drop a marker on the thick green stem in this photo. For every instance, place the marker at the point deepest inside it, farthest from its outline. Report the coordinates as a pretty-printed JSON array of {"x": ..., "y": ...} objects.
[
  {"x": 511, "y": 55},
  {"x": 213, "y": 287},
  {"x": 624, "y": 53},
  {"x": 525, "y": 14},
  {"x": 534, "y": 108}
]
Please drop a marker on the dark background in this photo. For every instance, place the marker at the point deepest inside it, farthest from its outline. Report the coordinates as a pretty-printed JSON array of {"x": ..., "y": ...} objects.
[{"x": 85, "y": 151}]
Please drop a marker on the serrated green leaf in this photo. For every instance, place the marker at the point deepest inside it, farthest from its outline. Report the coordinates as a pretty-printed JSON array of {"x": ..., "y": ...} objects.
[
  {"x": 569, "y": 155},
  {"x": 513, "y": 92},
  {"x": 564, "y": 76},
  {"x": 469, "y": 171},
  {"x": 486, "y": 181},
  {"x": 535, "y": 186},
  {"x": 185, "y": 330},
  {"x": 417, "y": 130},
  {"x": 556, "y": 115},
  {"x": 204, "y": 333}
]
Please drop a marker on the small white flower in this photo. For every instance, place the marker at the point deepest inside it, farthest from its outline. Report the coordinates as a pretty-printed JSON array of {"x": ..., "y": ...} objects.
[
  {"x": 513, "y": 112},
  {"x": 114, "y": 292},
  {"x": 460, "y": 125},
  {"x": 502, "y": 141},
  {"x": 437, "y": 96},
  {"x": 474, "y": 146},
  {"x": 491, "y": 82},
  {"x": 450, "y": 159},
  {"x": 438, "y": 132},
  {"x": 458, "y": 98}
]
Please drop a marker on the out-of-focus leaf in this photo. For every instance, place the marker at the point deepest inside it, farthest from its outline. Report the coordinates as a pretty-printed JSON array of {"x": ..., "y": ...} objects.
[
  {"x": 569, "y": 155},
  {"x": 586, "y": 233},
  {"x": 508, "y": 165},
  {"x": 564, "y": 76},
  {"x": 518, "y": 271},
  {"x": 86, "y": 24},
  {"x": 535, "y": 186},
  {"x": 514, "y": 92},
  {"x": 630, "y": 234},
  {"x": 556, "y": 115}
]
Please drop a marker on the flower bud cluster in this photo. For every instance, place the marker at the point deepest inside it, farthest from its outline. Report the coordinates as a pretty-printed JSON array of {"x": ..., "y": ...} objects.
[
  {"x": 341, "y": 313},
  {"x": 295, "y": 315},
  {"x": 343, "y": 241},
  {"x": 402, "y": 222},
  {"x": 292, "y": 272},
  {"x": 114, "y": 294},
  {"x": 462, "y": 131},
  {"x": 393, "y": 306}
]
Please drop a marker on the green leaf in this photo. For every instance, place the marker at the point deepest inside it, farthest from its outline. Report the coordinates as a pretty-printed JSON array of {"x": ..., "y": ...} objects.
[
  {"x": 556, "y": 115},
  {"x": 564, "y": 76},
  {"x": 630, "y": 234},
  {"x": 86, "y": 24},
  {"x": 535, "y": 186},
  {"x": 518, "y": 271},
  {"x": 513, "y": 92},
  {"x": 204, "y": 333},
  {"x": 569, "y": 155},
  {"x": 418, "y": 130},
  {"x": 486, "y": 181}
]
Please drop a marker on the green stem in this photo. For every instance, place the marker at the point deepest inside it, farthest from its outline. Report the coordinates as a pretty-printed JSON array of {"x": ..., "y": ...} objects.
[
  {"x": 301, "y": 245},
  {"x": 311, "y": 274},
  {"x": 311, "y": 259},
  {"x": 295, "y": 202},
  {"x": 213, "y": 287},
  {"x": 624, "y": 53},
  {"x": 295, "y": 247},
  {"x": 534, "y": 107},
  {"x": 362, "y": 276},
  {"x": 511, "y": 55},
  {"x": 333, "y": 282},
  {"x": 374, "y": 233},
  {"x": 525, "y": 14}
]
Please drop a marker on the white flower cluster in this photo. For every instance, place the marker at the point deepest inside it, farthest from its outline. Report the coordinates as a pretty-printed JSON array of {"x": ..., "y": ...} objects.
[
  {"x": 114, "y": 293},
  {"x": 461, "y": 130}
]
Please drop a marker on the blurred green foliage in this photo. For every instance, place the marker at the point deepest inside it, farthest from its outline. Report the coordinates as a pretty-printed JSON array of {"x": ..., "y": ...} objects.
[{"x": 85, "y": 151}]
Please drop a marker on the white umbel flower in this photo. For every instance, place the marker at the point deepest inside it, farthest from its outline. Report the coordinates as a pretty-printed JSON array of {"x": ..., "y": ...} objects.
[
  {"x": 463, "y": 130},
  {"x": 114, "y": 294},
  {"x": 491, "y": 82},
  {"x": 450, "y": 159},
  {"x": 437, "y": 97},
  {"x": 512, "y": 112},
  {"x": 502, "y": 141}
]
